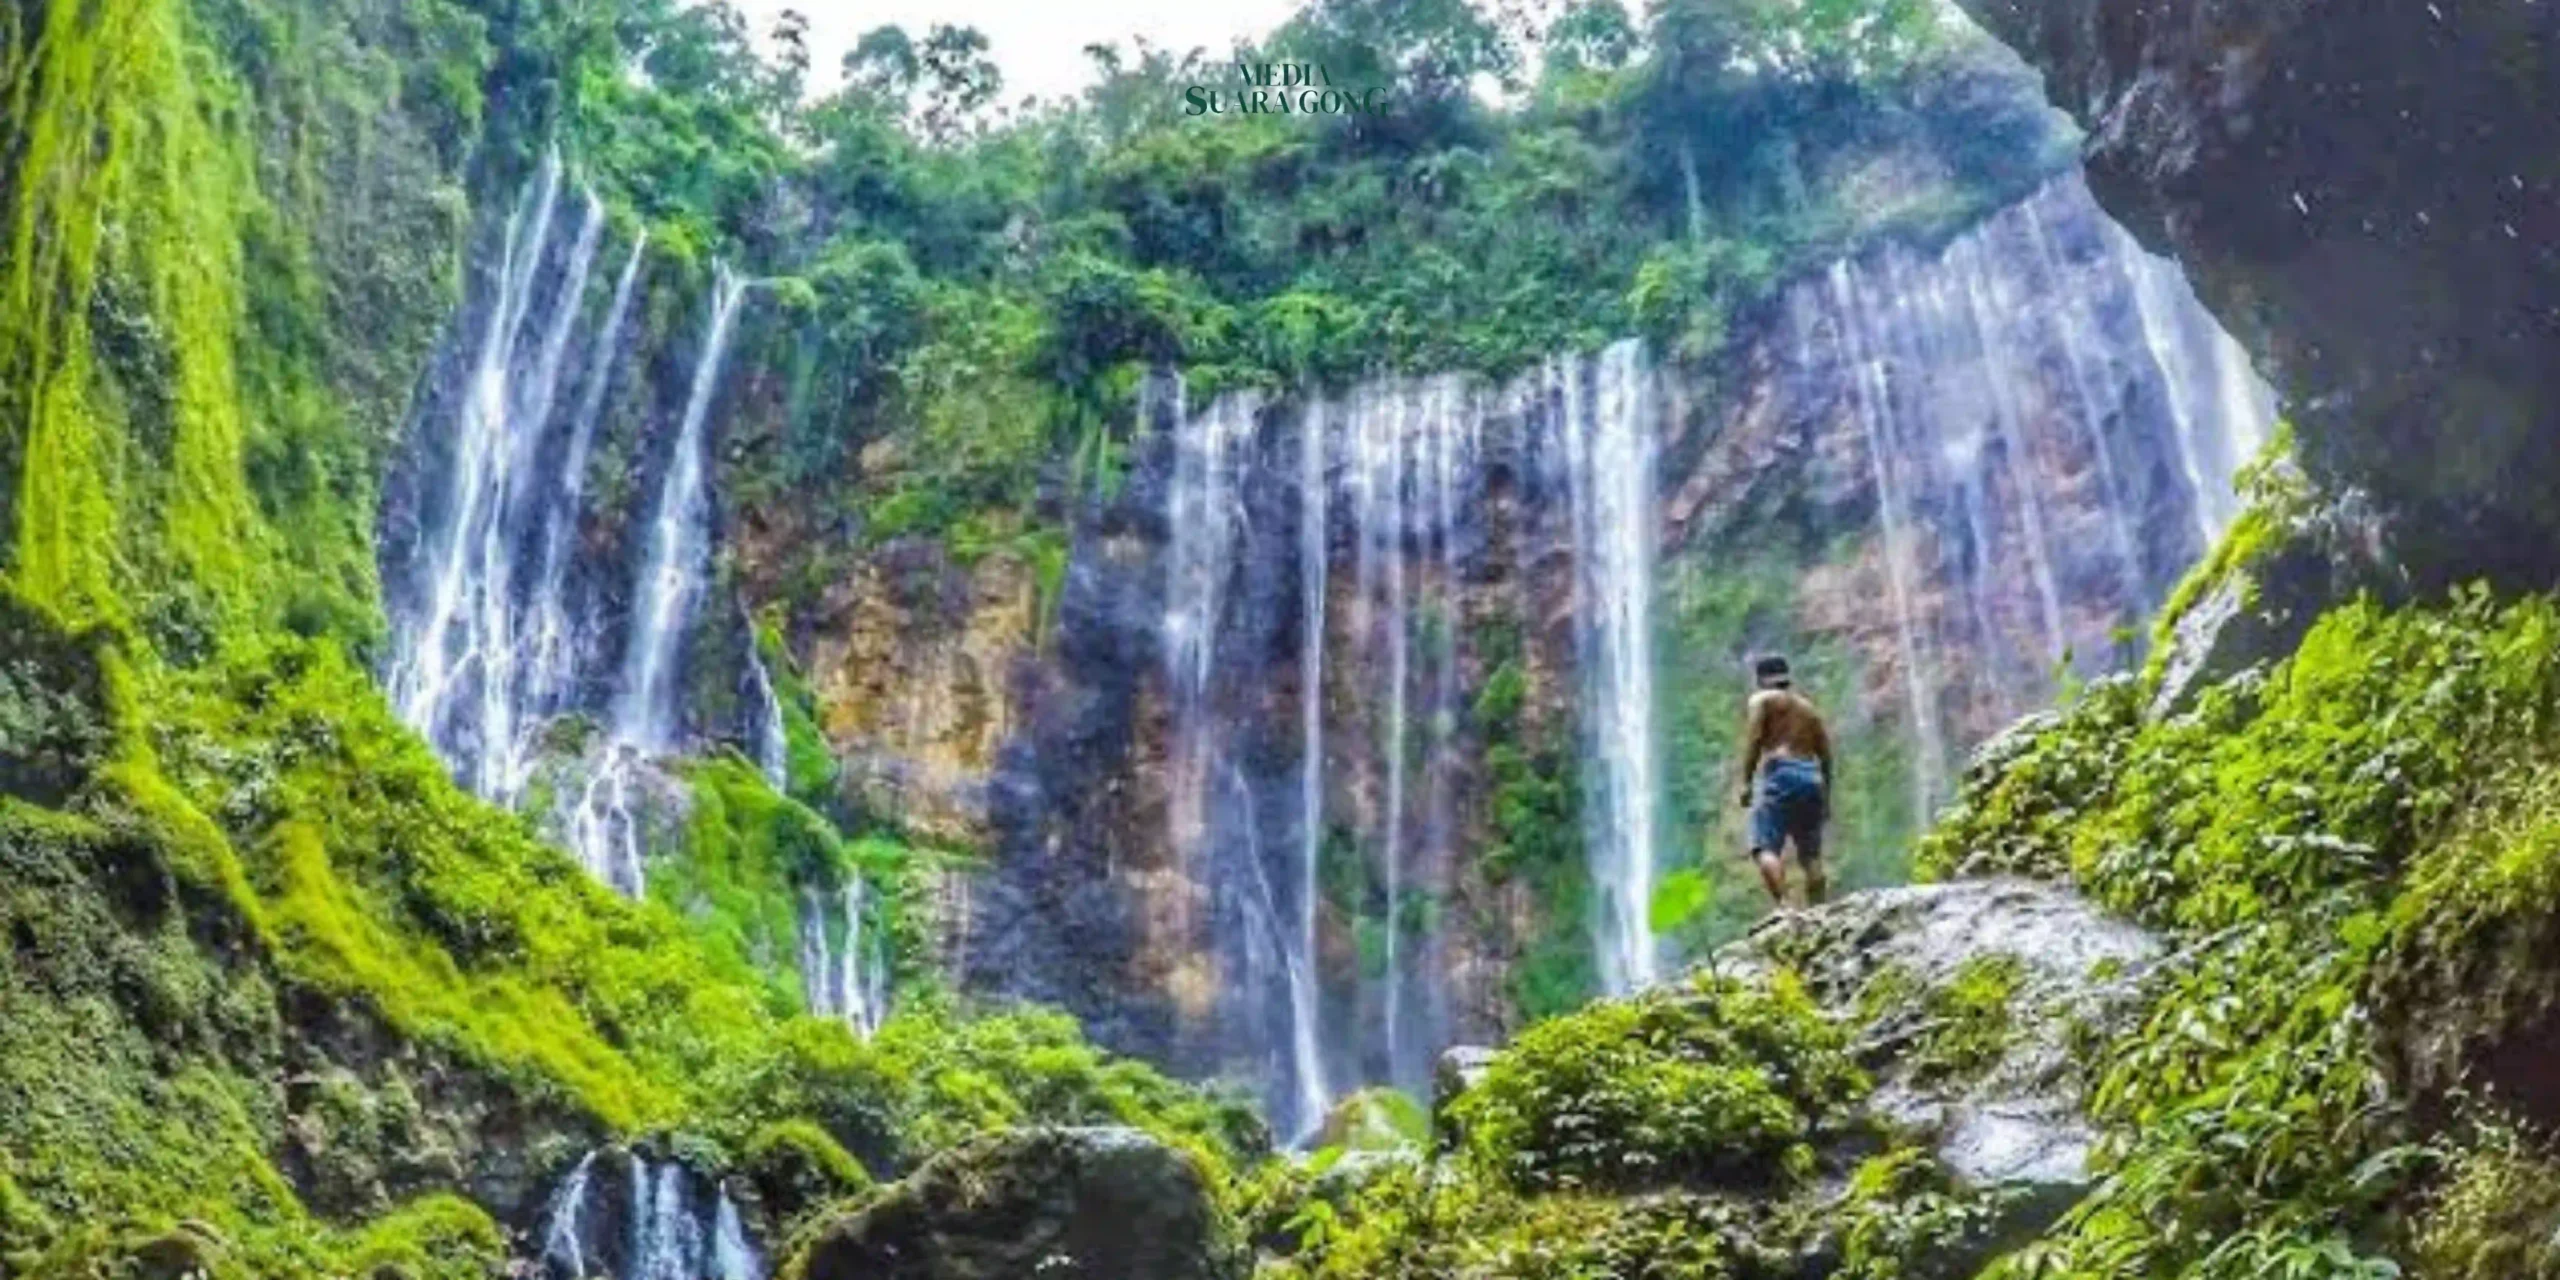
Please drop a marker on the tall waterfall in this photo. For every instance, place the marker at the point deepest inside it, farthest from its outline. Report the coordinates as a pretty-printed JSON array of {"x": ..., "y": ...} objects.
[
  {"x": 483, "y": 655},
  {"x": 1242, "y": 503},
  {"x": 494, "y": 640},
  {"x": 1987, "y": 458},
  {"x": 2049, "y": 423},
  {"x": 657, "y": 1221},
  {"x": 604, "y": 822},
  {"x": 1610, "y": 417},
  {"x": 1307, "y": 1073}
]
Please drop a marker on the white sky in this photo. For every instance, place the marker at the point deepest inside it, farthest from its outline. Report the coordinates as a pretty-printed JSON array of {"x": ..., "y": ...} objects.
[{"x": 1039, "y": 44}]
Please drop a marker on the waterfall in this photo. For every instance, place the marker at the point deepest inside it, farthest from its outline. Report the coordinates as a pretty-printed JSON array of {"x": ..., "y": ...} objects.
[
  {"x": 1306, "y": 1033},
  {"x": 733, "y": 1256},
  {"x": 1869, "y": 400},
  {"x": 862, "y": 976},
  {"x": 1202, "y": 516},
  {"x": 847, "y": 979},
  {"x": 557, "y": 651},
  {"x": 1973, "y": 471},
  {"x": 679, "y": 548},
  {"x": 773, "y": 742},
  {"x": 561, "y": 1241},
  {"x": 1215, "y": 823},
  {"x": 2041, "y": 474},
  {"x": 604, "y": 823},
  {"x": 673, "y": 1224},
  {"x": 2067, "y": 311},
  {"x": 2220, "y": 408},
  {"x": 469, "y": 669},
  {"x": 1608, "y": 427}
]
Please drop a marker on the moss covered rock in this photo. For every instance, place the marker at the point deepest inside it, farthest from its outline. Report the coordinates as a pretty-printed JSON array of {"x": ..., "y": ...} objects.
[{"x": 1075, "y": 1204}]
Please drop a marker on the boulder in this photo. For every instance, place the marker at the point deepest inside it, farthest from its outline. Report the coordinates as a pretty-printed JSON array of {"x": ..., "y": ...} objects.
[
  {"x": 2367, "y": 194},
  {"x": 1974, "y": 1003},
  {"x": 1058, "y": 1204}
]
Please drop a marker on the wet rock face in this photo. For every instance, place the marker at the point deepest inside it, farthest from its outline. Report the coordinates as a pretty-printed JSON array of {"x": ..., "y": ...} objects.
[
  {"x": 911, "y": 658},
  {"x": 1942, "y": 484},
  {"x": 2369, "y": 195},
  {"x": 1073, "y": 1204},
  {"x": 1975, "y": 1004}
]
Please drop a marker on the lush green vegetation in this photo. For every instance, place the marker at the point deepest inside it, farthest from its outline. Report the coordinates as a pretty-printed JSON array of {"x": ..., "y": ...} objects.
[
  {"x": 1534, "y": 834},
  {"x": 234, "y": 227},
  {"x": 973, "y": 288},
  {"x": 1710, "y": 1084},
  {"x": 265, "y": 960},
  {"x": 2355, "y": 845},
  {"x": 1681, "y": 1134}
]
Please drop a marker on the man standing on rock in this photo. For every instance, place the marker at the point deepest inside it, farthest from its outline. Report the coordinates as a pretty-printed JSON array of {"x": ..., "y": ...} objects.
[{"x": 1786, "y": 748}]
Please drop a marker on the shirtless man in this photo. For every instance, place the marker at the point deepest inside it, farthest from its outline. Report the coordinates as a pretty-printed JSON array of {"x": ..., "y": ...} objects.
[{"x": 1786, "y": 748}]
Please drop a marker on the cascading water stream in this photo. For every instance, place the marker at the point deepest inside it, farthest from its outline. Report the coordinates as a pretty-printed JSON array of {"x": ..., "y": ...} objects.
[
  {"x": 679, "y": 548},
  {"x": 1608, "y": 430},
  {"x": 1870, "y": 402},
  {"x": 674, "y": 1225},
  {"x": 471, "y": 667},
  {"x": 773, "y": 742},
  {"x": 2067, "y": 311},
  {"x": 557, "y": 650},
  {"x": 2219, "y": 407},
  {"x": 1306, "y": 1048},
  {"x": 604, "y": 824}
]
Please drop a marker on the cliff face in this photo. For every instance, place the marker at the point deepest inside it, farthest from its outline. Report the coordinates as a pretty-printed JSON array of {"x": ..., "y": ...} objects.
[
  {"x": 2305, "y": 160},
  {"x": 1267, "y": 795}
]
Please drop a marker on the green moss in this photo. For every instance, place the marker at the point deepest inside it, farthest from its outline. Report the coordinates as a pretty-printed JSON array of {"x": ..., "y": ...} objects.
[
  {"x": 1714, "y": 1081},
  {"x": 798, "y": 1167},
  {"x": 1533, "y": 824},
  {"x": 1969, "y": 1019},
  {"x": 737, "y": 880},
  {"x": 2275, "y": 496},
  {"x": 440, "y": 1237},
  {"x": 2495, "y": 1217}
]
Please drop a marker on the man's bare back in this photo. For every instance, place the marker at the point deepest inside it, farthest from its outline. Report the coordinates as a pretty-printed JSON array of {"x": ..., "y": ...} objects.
[
  {"x": 1782, "y": 725},
  {"x": 1786, "y": 779}
]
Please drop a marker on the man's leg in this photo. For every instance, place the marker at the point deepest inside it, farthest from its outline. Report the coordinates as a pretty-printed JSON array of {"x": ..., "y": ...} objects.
[
  {"x": 1768, "y": 836},
  {"x": 1808, "y": 838},
  {"x": 1773, "y": 875}
]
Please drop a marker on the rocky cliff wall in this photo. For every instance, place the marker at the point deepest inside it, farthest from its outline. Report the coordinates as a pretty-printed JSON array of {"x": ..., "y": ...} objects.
[
  {"x": 2366, "y": 194},
  {"x": 1943, "y": 475}
]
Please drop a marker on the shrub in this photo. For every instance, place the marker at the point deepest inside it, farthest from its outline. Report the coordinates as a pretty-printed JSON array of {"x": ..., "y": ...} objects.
[{"x": 1713, "y": 1083}]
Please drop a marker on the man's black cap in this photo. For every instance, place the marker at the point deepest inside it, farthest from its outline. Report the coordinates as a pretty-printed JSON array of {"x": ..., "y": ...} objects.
[{"x": 1771, "y": 669}]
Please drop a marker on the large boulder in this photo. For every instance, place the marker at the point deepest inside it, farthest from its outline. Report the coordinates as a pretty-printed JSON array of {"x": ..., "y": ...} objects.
[
  {"x": 2368, "y": 195},
  {"x": 1058, "y": 1204},
  {"x": 1975, "y": 1004}
]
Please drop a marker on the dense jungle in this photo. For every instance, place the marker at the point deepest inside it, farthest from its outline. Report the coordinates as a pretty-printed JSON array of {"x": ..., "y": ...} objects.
[{"x": 624, "y": 654}]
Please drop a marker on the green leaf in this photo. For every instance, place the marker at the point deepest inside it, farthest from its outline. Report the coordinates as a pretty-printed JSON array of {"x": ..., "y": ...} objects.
[{"x": 1679, "y": 898}]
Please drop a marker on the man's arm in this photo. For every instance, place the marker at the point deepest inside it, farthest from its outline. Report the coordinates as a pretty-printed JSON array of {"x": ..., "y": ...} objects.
[
  {"x": 1822, "y": 752},
  {"x": 1755, "y": 723}
]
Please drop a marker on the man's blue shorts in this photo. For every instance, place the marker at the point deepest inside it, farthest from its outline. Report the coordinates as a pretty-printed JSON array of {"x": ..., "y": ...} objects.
[{"x": 1790, "y": 803}]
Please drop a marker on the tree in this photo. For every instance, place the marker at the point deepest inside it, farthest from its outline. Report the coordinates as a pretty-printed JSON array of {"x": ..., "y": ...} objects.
[{"x": 939, "y": 83}]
